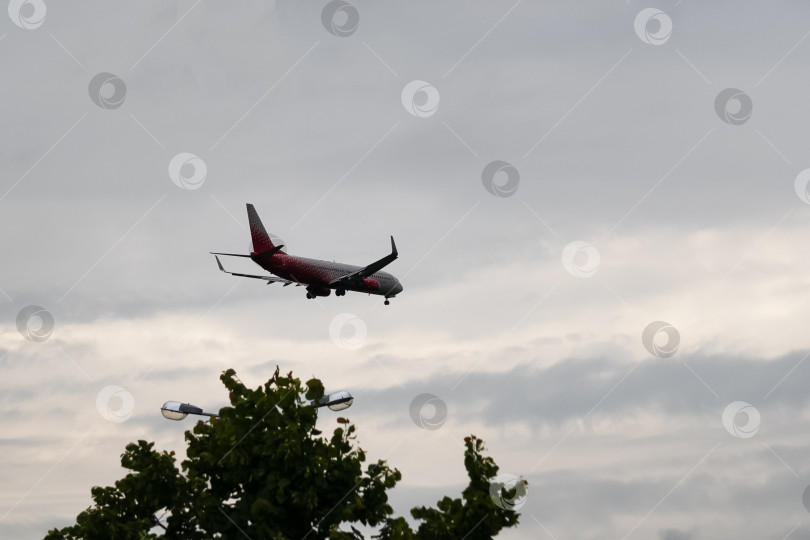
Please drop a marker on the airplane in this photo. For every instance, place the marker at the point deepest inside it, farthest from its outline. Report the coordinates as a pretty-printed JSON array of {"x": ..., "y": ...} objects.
[{"x": 319, "y": 277}]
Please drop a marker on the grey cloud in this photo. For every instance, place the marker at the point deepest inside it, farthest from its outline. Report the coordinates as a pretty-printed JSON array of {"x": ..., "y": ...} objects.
[
  {"x": 603, "y": 387},
  {"x": 561, "y": 500},
  {"x": 675, "y": 534}
]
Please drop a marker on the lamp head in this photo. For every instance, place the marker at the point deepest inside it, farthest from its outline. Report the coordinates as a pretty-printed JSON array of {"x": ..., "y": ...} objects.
[
  {"x": 337, "y": 401},
  {"x": 174, "y": 410}
]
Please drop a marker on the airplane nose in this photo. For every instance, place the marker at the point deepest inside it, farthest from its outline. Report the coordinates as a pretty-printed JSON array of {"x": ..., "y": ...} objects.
[{"x": 398, "y": 288}]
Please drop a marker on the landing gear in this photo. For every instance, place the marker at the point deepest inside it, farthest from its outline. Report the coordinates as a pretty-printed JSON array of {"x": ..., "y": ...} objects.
[
  {"x": 386, "y": 302},
  {"x": 340, "y": 292},
  {"x": 310, "y": 296}
]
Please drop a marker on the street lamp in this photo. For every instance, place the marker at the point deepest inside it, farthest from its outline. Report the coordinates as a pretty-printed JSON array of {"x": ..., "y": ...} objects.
[
  {"x": 174, "y": 410},
  {"x": 337, "y": 401}
]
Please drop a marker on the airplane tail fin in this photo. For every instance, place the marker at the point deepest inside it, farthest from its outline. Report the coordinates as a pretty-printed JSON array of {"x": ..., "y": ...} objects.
[{"x": 261, "y": 240}]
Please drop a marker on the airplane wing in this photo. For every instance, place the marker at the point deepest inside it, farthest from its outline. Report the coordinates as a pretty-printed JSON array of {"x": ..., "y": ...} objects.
[
  {"x": 365, "y": 272},
  {"x": 268, "y": 279}
]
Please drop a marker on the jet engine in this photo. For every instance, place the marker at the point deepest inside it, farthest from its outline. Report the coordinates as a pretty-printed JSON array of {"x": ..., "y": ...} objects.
[
  {"x": 314, "y": 290},
  {"x": 371, "y": 284}
]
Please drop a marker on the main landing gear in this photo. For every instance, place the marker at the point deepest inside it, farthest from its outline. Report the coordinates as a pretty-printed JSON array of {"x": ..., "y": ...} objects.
[{"x": 340, "y": 292}]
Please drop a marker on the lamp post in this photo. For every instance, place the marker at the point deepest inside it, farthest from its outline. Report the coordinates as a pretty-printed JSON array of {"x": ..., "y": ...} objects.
[{"x": 174, "y": 410}]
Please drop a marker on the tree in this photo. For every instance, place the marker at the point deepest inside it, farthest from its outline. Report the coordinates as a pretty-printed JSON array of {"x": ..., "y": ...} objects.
[{"x": 262, "y": 470}]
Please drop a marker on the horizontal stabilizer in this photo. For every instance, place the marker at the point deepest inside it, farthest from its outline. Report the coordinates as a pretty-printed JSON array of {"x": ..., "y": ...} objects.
[{"x": 229, "y": 254}]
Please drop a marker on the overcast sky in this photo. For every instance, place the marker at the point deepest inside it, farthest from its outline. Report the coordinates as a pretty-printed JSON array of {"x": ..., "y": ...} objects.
[{"x": 558, "y": 176}]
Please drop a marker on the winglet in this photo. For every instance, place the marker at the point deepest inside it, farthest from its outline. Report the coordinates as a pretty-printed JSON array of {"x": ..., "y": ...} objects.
[
  {"x": 219, "y": 263},
  {"x": 394, "y": 248}
]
